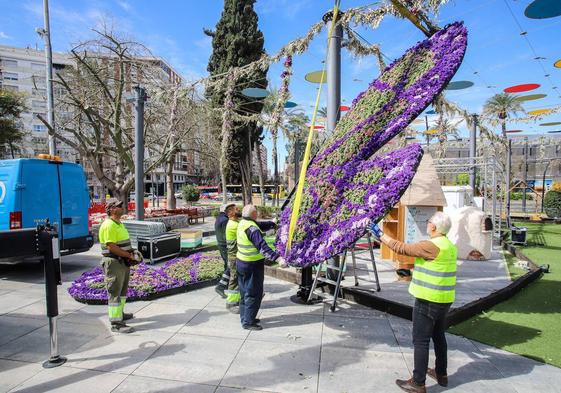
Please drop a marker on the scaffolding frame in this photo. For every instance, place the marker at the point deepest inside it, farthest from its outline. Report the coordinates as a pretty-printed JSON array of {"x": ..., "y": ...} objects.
[{"x": 490, "y": 177}]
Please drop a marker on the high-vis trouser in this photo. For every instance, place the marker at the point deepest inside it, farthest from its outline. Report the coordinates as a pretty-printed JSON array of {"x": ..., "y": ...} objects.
[
  {"x": 117, "y": 282},
  {"x": 232, "y": 293},
  {"x": 225, "y": 279}
]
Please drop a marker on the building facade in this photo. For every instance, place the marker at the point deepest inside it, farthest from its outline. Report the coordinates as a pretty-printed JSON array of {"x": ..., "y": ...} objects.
[{"x": 23, "y": 70}]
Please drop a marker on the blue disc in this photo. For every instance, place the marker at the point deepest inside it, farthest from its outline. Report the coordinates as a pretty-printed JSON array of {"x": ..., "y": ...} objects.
[
  {"x": 431, "y": 112},
  {"x": 459, "y": 85},
  {"x": 290, "y": 104},
  {"x": 255, "y": 92},
  {"x": 543, "y": 9}
]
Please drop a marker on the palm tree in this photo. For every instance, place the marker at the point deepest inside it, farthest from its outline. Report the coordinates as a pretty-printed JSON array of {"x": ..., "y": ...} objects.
[
  {"x": 446, "y": 128},
  {"x": 500, "y": 107}
]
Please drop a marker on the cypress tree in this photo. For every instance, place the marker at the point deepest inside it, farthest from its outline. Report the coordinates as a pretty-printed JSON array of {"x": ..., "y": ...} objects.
[{"x": 237, "y": 41}]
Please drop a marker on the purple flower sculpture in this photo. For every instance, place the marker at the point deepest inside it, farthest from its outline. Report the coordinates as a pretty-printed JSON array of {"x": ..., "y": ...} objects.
[{"x": 346, "y": 187}]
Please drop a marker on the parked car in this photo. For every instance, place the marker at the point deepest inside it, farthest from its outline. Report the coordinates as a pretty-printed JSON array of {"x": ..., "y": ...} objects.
[{"x": 178, "y": 195}]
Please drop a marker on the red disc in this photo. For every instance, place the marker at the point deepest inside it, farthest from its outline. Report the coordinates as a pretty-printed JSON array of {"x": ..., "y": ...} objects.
[
  {"x": 521, "y": 88},
  {"x": 344, "y": 108},
  {"x": 513, "y": 131},
  {"x": 319, "y": 127}
]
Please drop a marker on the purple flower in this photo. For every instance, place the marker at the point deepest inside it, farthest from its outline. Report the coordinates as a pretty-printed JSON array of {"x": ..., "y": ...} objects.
[{"x": 345, "y": 188}]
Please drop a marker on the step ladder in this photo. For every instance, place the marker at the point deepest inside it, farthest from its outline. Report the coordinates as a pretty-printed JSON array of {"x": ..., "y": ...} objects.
[{"x": 340, "y": 269}]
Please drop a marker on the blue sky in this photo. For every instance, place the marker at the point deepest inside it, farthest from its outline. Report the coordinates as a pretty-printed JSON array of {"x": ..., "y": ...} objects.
[{"x": 497, "y": 55}]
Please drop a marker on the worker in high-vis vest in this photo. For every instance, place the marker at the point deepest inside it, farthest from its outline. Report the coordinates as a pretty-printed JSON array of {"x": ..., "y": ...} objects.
[
  {"x": 117, "y": 257},
  {"x": 232, "y": 293},
  {"x": 250, "y": 264},
  {"x": 220, "y": 233},
  {"x": 433, "y": 285}
]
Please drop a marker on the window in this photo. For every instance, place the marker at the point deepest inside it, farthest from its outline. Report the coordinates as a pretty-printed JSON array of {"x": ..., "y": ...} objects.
[
  {"x": 40, "y": 80},
  {"x": 38, "y": 66},
  {"x": 39, "y": 128},
  {"x": 10, "y": 88},
  {"x": 38, "y": 105},
  {"x": 10, "y": 76},
  {"x": 9, "y": 63},
  {"x": 39, "y": 92}
]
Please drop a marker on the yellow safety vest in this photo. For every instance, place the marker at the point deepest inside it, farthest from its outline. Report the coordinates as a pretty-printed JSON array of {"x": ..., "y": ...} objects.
[
  {"x": 231, "y": 238},
  {"x": 435, "y": 280},
  {"x": 246, "y": 250}
]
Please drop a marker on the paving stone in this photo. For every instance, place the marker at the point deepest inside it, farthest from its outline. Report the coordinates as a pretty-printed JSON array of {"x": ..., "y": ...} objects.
[
  {"x": 71, "y": 380},
  {"x": 135, "y": 384},
  {"x": 272, "y": 367},
  {"x": 191, "y": 358},
  {"x": 13, "y": 373},
  {"x": 13, "y": 327},
  {"x": 216, "y": 323},
  {"x": 163, "y": 317},
  {"x": 290, "y": 329}
]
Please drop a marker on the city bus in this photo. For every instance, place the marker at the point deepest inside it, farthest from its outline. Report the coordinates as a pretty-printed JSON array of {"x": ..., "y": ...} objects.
[
  {"x": 209, "y": 192},
  {"x": 235, "y": 190}
]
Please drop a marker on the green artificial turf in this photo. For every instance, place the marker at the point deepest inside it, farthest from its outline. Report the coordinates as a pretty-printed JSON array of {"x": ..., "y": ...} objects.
[{"x": 529, "y": 323}]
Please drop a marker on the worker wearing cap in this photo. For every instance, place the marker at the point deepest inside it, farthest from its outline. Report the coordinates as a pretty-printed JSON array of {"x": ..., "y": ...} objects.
[
  {"x": 220, "y": 233},
  {"x": 251, "y": 255},
  {"x": 116, "y": 251},
  {"x": 232, "y": 293}
]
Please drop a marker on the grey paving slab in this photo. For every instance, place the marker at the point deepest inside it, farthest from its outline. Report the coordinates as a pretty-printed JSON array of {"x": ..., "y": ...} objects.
[
  {"x": 135, "y": 384},
  {"x": 13, "y": 327},
  {"x": 299, "y": 329},
  {"x": 34, "y": 346},
  {"x": 118, "y": 352},
  {"x": 191, "y": 358},
  {"x": 13, "y": 373},
  {"x": 370, "y": 334},
  {"x": 163, "y": 317},
  {"x": 226, "y": 389},
  {"x": 71, "y": 380},
  {"x": 272, "y": 367},
  {"x": 38, "y": 310},
  {"x": 216, "y": 323},
  {"x": 18, "y": 299},
  {"x": 97, "y": 314},
  {"x": 349, "y": 370}
]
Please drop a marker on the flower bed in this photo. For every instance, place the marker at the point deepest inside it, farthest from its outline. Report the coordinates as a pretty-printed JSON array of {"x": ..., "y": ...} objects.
[
  {"x": 147, "y": 282},
  {"x": 345, "y": 188}
]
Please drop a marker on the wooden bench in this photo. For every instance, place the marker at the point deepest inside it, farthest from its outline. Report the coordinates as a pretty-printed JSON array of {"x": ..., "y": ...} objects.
[{"x": 194, "y": 215}]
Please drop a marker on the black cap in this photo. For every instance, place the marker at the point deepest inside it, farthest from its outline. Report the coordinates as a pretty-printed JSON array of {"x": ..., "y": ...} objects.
[{"x": 111, "y": 204}]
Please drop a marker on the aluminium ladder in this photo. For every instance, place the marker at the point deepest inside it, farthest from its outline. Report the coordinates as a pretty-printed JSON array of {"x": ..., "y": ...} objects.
[{"x": 340, "y": 268}]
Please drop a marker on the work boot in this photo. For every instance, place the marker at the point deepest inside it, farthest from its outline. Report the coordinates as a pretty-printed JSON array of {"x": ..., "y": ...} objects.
[
  {"x": 127, "y": 316},
  {"x": 234, "y": 309},
  {"x": 220, "y": 290},
  {"x": 121, "y": 327},
  {"x": 253, "y": 326},
  {"x": 410, "y": 386},
  {"x": 441, "y": 379}
]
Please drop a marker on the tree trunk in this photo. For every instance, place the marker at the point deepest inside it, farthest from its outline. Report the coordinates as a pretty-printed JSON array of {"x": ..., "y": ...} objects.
[
  {"x": 223, "y": 181},
  {"x": 246, "y": 182},
  {"x": 169, "y": 176},
  {"x": 275, "y": 169},
  {"x": 12, "y": 150},
  {"x": 260, "y": 166}
]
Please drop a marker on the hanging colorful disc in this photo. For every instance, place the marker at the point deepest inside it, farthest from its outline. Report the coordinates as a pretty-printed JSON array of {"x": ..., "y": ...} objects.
[
  {"x": 255, "y": 92},
  {"x": 557, "y": 64},
  {"x": 554, "y": 132},
  {"x": 315, "y": 77},
  {"x": 459, "y": 85},
  {"x": 344, "y": 108},
  {"x": 290, "y": 104},
  {"x": 530, "y": 97},
  {"x": 319, "y": 127},
  {"x": 431, "y": 132},
  {"x": 553, "y": 123},
  {"x": 543, "y": 9},
  {"x": 538, "y": 112},
  {"x": 431, "y": 112},
  {"x": 513, "y": 131},
  {"x": 521, "y": 88}
]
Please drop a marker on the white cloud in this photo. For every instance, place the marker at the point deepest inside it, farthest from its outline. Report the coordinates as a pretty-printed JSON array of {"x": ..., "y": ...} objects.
[
  {"x": 125, "y": 5},
  {"x": 288, "y": 8},
  {"x": 4, "y": 36}
]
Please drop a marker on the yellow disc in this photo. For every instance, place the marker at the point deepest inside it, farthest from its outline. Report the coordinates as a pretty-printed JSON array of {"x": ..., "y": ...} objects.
[
  {"x": 315, "y": 77},
  {"x": 431, "y": 132},
  {"x": 557, "y": 64},
  {"x": 538, "y": 112}
]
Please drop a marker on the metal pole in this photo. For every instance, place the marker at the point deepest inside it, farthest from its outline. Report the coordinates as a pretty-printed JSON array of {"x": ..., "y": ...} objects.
[
  {"x": 427, "y": 129},
  {"x": 494, "y": 208},
  {"x": 508, "y": 170},
  {"x": 472, "y": 150},
  {"x": 525, "y": 176},
  {"x": 543, "y": 182},
  {"x": 139, "y": 152},
  {"x": 49, "y": 81},
  {"x": 333, "y": 73}
]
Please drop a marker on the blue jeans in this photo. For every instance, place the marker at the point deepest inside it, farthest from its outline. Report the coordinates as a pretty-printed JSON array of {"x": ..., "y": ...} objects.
[
  {"x": 429, "y": 321},
  {"x": 250, "y": 281}
]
